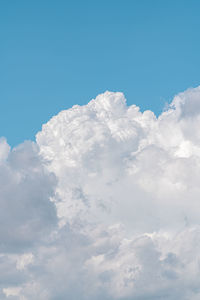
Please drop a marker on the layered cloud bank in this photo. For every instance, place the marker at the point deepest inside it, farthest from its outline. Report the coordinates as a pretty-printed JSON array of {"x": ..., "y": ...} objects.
[{"x": 104, "y": 205}]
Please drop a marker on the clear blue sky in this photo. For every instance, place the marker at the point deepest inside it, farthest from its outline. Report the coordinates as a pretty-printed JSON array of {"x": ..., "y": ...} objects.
[{"x": 54, "y": 54}]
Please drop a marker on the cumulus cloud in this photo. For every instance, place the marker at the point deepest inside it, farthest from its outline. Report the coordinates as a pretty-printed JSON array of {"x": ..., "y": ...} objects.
[
  {"x": 104, "y": 205},
  {"x": 25, "y": 187}
]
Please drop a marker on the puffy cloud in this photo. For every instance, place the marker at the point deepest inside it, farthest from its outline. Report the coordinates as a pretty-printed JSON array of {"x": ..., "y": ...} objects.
[
  {"x": 26, "y": 215},
  {"x": 25, "y": 187},
  {"x": 105, "y": 204},
  {"x": 4, "y": 149}
]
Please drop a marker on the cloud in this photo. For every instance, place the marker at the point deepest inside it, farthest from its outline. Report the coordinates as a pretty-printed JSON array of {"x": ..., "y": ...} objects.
[
  {"x": 25, "y": 187},
  {"x": 104, "y": 205}
]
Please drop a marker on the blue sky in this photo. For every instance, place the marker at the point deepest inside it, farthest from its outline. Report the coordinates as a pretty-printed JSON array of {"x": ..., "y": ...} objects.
[{"x": 55, "y": 54}]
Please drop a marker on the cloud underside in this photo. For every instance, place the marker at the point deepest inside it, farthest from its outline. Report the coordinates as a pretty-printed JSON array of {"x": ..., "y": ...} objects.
[{"x": 104, "y": 205}]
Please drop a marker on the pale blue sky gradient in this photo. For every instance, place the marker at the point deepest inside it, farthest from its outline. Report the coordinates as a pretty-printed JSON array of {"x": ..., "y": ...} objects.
[{"x": 54, "y": 54}]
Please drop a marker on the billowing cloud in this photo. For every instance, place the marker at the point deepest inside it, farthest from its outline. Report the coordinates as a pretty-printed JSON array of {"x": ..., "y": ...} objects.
[{"x": 104, "y": 205}]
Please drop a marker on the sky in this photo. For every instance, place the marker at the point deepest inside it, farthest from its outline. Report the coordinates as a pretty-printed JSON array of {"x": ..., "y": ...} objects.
[
  {"x": 54, "y": 55},
  {"x": 99, "y": 150}
]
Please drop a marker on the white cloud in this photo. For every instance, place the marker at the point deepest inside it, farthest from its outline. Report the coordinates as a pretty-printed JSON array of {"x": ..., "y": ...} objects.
[
  {"x": 4, "y": 150},
  {"x": 125, "y": 188},
  {"x": 25, "y": 187},
  {"x": 24, "y": 260},
  {"x": 12, "y": 291}
]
